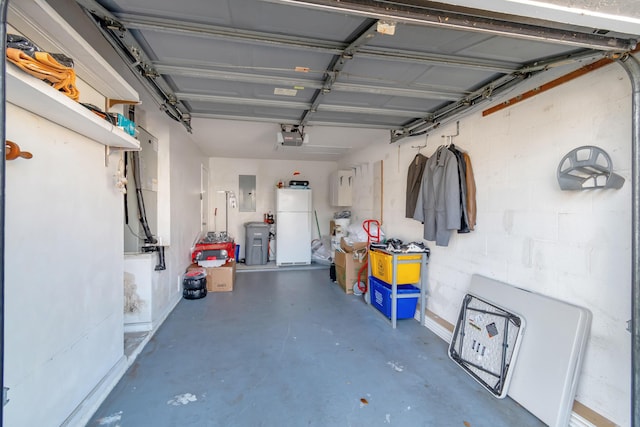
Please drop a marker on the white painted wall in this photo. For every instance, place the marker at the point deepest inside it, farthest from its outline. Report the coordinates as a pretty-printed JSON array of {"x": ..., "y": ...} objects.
[
  {"x": 140, "y": 279},
  {"x": 64, "y": 249},
  {"x": 63, "y": 261},
  {"x": 224, "y": 174},
  {"x": 574, "y": 246},
  {"x": 185, "y": 163},
  {"x": 179, "y": 163}
]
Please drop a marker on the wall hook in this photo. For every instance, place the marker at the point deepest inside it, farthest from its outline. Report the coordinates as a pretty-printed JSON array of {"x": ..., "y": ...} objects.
[
  {"x": 420, "y": 147},
  {"x": 13, "y": 151},
  {"x": 450, "y": 137}
]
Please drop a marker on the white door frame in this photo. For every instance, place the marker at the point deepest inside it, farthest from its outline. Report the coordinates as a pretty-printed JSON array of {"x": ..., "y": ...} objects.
[{"x": 204, "y": 198}]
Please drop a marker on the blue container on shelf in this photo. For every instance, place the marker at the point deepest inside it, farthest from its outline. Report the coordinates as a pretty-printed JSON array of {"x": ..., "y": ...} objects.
[{"x": 381, "y": 298}]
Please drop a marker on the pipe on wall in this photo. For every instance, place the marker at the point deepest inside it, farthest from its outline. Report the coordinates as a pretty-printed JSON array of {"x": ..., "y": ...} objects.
[
  {"x": 3, "y": 38},
  {"x": 632, "y": 66}
]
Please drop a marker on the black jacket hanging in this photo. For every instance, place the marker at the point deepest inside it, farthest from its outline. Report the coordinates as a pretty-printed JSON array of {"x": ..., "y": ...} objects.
[
  {"x": 414, "y": 178},
  {"x": 464, "y": 220}
]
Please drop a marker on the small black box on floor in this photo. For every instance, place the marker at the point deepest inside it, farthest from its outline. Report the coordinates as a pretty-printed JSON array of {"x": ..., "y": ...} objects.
[{"x": 194, "y": 284}]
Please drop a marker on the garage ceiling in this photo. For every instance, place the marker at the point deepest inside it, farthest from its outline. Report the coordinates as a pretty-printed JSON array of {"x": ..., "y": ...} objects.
[{"x": 402, "y": 66}]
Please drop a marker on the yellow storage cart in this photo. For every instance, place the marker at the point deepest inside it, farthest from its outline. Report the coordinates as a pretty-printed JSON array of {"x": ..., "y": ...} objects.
[
  {"x": 407, "y": 270},
  {"x": 399, "y": 269}
]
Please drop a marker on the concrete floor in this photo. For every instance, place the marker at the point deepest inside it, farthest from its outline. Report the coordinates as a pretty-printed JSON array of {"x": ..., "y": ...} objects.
[
  {"x": 289, "y": 348},
  {"x": 271, "y": 265}
]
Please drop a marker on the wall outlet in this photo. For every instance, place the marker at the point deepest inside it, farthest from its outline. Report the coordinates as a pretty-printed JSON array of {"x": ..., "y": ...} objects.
[{"x": 178, "y": 283}]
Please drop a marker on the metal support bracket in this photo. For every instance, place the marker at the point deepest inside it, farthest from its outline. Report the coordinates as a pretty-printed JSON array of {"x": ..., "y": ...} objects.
[
  {"x": 107, "y": 152},
  {"x": 450, "y": 137}
]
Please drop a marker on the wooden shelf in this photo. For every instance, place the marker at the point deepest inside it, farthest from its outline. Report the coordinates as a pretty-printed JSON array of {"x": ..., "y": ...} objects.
[{"x": 36, "y": 96}]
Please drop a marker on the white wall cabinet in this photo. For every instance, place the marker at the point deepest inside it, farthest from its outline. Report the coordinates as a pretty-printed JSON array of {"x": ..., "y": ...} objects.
[{"x": 341, "y": 188}]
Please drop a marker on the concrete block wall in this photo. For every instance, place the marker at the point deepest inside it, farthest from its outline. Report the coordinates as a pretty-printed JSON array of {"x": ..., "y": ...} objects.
[
  {"x": 224, "y": 174},
  {"x": 574, "y": 246}
]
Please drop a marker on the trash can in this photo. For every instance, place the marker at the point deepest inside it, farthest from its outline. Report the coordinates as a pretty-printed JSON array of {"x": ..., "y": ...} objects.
[{"x": 256, "y": 249}]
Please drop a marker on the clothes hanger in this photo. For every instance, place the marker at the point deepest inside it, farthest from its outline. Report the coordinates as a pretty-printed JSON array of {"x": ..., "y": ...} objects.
[
  {"x": 450, "y": 137},
  {"x": 420, "y": 147}
]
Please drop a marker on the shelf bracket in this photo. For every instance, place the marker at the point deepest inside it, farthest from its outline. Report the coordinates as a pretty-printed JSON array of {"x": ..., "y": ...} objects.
[
  {"x": 108, "y": 102},
  {"x": 107, "y": 152}
]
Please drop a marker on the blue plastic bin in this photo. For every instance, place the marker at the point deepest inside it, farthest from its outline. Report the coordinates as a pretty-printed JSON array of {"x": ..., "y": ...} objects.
[{"x": 381, "y": 298}]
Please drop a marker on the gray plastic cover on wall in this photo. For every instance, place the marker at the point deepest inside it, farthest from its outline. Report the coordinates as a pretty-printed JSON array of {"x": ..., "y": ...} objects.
[{"x": 587, "y": 167}]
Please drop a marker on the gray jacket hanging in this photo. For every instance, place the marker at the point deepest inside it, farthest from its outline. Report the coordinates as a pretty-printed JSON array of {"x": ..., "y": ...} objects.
[{"x": 438, "y": 204}]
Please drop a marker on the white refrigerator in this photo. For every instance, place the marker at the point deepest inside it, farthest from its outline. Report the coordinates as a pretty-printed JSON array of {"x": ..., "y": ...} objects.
[{"x": 293, "y": 226}]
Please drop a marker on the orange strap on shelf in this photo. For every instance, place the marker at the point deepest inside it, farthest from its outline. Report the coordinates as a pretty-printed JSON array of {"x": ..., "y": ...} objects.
[{"x": 45, "y": 67}]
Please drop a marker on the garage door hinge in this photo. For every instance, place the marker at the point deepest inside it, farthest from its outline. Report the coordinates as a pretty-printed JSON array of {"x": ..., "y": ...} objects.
[{"x": 5, "y": 399}]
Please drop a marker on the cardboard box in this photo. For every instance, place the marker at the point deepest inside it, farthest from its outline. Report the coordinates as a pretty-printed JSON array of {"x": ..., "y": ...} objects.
[
  {"x": 349, "y": 263},
  {"x": 220, "y": 279},
  {"x": 354, "y": 247}
]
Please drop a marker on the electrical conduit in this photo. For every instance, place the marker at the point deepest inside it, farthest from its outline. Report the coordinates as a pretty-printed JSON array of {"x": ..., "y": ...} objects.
[
  {"x": 632, "y": 67},
  {"x": 3, "y": 79}
]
